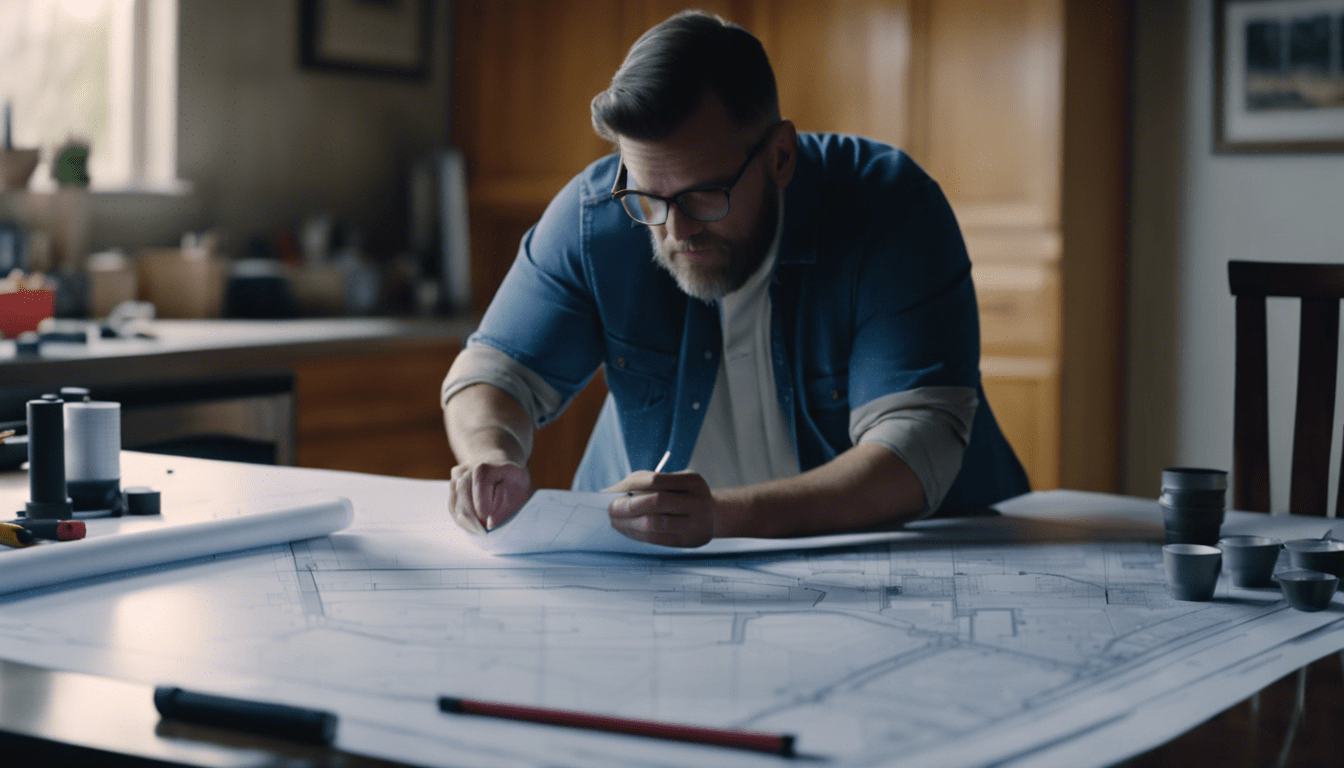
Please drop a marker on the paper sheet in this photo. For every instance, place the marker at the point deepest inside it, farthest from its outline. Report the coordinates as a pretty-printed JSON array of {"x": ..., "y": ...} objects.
[
  {"x": 567, "y": 521},
  {"x": 118, "y": 544}
]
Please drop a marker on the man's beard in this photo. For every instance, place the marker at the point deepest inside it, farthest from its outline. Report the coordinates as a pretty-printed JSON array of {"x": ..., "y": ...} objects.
[{"x": 712, "y": 282}]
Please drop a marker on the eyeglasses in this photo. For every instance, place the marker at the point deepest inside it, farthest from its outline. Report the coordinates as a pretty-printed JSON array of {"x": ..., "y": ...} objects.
[{"x": 707, "y": 202}]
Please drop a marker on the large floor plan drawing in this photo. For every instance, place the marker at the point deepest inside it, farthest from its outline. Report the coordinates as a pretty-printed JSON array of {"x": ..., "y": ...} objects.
[{"x": 891, "y": 654}]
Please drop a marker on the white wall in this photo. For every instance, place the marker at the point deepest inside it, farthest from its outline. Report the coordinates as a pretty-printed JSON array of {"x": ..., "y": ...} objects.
[
  {"x": 264, "y": 143},
  {"x": 1192, "y": 211}
]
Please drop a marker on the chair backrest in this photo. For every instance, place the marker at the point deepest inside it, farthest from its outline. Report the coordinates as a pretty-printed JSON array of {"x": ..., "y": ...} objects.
[{"x": 1320, "y": 287}]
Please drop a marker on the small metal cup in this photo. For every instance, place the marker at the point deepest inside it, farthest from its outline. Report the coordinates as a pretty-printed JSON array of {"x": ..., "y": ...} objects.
[
  {"x": 1186, "y": 525},
  {"x": 1194, "y": 499},
  {"x": 1323, "y": 555},
  {"x": 1250, "y": 560},
  {"x": 1192, "y": 570},
  {"x": 1194, "y": 479},
  {"x": 1308, "y": 590}
]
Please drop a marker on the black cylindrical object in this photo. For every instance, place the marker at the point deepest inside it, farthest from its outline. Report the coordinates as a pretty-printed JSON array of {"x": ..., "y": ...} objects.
[
  {"x": 46, "y": 461},
  {"x": 1193, "y": 500}
]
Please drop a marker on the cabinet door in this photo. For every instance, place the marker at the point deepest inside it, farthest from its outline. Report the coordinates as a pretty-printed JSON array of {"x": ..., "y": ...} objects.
[
  {"x": 1024, "y": 393},
  {"x": 375, "y": 413}
]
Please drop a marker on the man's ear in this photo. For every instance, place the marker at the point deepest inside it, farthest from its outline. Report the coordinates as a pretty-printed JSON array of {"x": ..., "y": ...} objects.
[{"x": 784, "y": 153}]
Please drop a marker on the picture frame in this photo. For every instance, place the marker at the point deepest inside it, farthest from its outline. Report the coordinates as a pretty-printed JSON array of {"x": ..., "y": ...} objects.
[
  {"x": 1278, "y": 76},
  {"x": 386, "y": 38}
]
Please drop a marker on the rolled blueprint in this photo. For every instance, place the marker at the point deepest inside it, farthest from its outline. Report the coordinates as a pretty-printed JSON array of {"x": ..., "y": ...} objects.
[{"x": 136, "y": 543}]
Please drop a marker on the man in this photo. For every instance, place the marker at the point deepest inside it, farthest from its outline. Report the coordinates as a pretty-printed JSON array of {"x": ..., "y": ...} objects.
[{"x": 788, "y": 320}]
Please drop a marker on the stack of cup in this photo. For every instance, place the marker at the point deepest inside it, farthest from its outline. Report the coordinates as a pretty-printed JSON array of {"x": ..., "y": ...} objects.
[{"x": 1193, "y": 502}]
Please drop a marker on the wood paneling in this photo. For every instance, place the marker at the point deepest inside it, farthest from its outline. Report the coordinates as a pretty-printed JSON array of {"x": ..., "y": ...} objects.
[
  {"x": 1019, "y": 308},
  {"x": 375, "y": 412},
  {"x": 558, "y": 446},
  {"x": 993, "y": 109},
  {"x": 1095, "y": 206},
  {"x": 843, "y": 66},
  {"x": 400, "y": 450},
  {"x": 1024, "y": 393}
]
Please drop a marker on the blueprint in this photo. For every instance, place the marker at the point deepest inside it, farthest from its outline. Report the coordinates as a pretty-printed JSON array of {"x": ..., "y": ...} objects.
[{"x": 901, "y": 653}]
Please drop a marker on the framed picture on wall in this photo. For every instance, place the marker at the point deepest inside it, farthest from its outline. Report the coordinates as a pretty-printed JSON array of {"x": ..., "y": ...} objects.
[
  {"x": 390, "y": 38},
  {"x": 1279, "y": 76}
]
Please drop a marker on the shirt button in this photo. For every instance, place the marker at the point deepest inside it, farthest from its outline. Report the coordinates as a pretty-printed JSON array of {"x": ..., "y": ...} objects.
[
  {"x": 620, "y": 362},
  {"x": 709, "y": 354},
  {"x": 835, "y": 394},
  {"x": 695, "y": 406}
]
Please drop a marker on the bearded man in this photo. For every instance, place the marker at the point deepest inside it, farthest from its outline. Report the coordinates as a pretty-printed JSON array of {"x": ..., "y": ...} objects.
[{"x": 786, "y": 320}]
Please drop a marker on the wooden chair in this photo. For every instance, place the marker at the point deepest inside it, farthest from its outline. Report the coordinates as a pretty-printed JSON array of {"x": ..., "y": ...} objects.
[{"x": 1320, "y": 287}]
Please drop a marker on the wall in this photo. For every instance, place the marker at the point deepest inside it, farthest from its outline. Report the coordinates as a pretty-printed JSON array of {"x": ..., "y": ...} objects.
[
  {"x": 1192, "y": 211},
  {"x": 264, "y": 143}
]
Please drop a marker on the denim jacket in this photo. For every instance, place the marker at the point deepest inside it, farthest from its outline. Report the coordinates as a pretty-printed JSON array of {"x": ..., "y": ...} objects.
[{"x": 871, "y": 295}]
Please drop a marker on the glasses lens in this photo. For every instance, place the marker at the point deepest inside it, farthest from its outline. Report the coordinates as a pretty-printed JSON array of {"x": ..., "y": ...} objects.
[
  {"x": 704, "y": 204},
  {"x": 645, "y": 209}
]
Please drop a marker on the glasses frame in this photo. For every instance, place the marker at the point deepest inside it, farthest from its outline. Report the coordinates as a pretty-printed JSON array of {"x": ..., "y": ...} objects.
[{"x": 618, "y": 190}]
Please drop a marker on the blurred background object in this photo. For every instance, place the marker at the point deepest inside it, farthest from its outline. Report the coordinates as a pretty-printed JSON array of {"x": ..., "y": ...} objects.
[
  {"x": 70, "y": 168},
  {"x": 440, "y": 234},
  {"x": 184, "y": 282},
  {"x": 16, "y": 165},
  {"x": 112, "y": 281}
]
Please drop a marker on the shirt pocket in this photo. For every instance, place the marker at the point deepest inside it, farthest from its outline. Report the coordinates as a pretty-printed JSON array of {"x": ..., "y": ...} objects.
[
  {"x": 827, "y": 399},
  {"x": 639, "y": 377}
]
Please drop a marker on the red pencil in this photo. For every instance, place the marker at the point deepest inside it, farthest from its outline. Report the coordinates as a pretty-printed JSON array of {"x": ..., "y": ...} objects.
[{"x": 772, "y": 743}]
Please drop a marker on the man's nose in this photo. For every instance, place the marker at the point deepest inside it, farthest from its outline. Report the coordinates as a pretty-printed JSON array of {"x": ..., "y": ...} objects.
[{"x": 681, "y": 227}]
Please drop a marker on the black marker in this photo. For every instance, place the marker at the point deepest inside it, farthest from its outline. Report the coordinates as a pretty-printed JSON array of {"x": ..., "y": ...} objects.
[{"x": 278, "y": 720}]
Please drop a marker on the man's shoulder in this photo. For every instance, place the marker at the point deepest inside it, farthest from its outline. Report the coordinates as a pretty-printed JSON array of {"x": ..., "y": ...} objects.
[
  {"x": 849, "y": 160},
  {"x": 593, "y": 184}
]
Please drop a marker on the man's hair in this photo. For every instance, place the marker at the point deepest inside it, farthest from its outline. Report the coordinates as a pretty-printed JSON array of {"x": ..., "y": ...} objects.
[{"x": 669, "y": 68}]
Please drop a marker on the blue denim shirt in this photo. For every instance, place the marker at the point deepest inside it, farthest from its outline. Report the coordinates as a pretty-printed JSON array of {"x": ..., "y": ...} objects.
[{"x": 871, "y": 295}]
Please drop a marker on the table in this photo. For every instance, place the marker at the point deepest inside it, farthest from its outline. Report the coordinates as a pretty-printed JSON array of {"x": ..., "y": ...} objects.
[{"x": 899, "y": 631}]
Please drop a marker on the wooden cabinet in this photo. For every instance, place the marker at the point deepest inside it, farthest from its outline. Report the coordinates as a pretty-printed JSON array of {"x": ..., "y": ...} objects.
[
  {"x": 1016, "y": 107},
  {"x": 375, "y": 412}
]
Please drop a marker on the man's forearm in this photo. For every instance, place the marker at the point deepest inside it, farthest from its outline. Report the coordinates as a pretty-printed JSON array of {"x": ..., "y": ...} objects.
[
  {"x": 865, "y": 486},
  {"x": 485, "y": 423}
]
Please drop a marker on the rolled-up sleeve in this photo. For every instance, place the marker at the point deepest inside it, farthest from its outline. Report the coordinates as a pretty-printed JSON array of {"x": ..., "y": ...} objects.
[
  {"x": 482, "y": 364},
  {"x": 928, "y": 428}
]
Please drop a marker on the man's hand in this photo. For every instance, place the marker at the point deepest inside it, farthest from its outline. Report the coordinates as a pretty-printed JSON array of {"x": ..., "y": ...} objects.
[
  {"x": 491, "y": 436},
  {"x": 672, "y": 509},
  {"x": 483, "y": 496}
]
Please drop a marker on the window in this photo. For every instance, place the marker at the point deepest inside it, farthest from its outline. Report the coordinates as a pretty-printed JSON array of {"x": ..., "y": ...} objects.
[{"x": 104, "y": 71}]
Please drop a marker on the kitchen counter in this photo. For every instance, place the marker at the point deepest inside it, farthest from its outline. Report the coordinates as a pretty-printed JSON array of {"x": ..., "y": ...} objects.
[
  {"x": 185, "y": 349},
  {"x": 365, "y": 390}
]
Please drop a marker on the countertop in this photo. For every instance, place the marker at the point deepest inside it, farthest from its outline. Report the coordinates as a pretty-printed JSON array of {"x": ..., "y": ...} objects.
[{"x": 192, "y": 348}]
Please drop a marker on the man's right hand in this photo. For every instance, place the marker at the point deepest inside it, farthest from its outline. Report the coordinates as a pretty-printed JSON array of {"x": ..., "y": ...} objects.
[{"x": 484, "y": 495}]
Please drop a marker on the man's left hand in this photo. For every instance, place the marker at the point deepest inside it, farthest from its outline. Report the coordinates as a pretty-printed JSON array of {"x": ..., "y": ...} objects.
[{"x": 672, "y": 509}]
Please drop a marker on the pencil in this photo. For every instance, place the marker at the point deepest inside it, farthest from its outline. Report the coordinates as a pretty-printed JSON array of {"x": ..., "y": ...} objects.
[
  {"x": 756, "y": 741},
  {"x": 662, "y": 462},
  {"x": 8, "y": 433},
  {"x": 12, "y": 535}
]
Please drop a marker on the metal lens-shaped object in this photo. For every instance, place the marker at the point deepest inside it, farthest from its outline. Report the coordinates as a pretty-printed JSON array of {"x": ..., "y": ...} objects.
[
  {"x": 1194, "y": 479},
  {"x": 1250, "y": 560},
  {"x": 1324, "y": 555},
  {"x": 1308, "y": 590},
  {"x": 1192, "y": 570},
  {"x": 645, "y": 209},
  {"x": 704, "y": 204}
]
